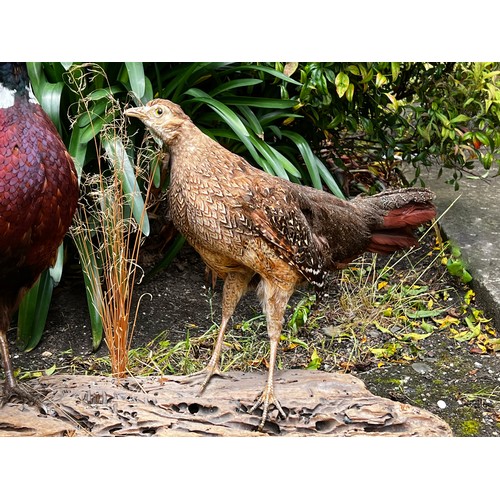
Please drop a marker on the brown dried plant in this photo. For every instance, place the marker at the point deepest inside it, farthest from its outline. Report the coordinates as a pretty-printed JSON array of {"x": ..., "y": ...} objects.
[{"x": 110, "y": 226}]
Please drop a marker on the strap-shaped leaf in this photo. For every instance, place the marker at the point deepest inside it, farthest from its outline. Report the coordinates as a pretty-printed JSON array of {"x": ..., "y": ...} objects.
[
  {"x": 234, "y": 84},
  {"x": 307, "y": 155},
  {"x": 136, "y": 78},
  {"x": 34, "y": 307},
  {"x": 33, "y": 311},
  {"x": 124, "y": 168}
]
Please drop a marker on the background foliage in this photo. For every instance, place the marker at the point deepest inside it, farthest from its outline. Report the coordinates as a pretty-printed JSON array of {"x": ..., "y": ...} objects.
[{"x": 345, "y": 127}]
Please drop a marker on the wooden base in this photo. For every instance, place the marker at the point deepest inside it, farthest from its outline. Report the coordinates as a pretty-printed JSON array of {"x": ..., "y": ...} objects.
[{"x": 316, "y": 404}]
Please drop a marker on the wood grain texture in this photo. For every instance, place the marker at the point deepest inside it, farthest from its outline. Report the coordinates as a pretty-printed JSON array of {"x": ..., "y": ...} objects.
[{"x": 316, "y": 404}]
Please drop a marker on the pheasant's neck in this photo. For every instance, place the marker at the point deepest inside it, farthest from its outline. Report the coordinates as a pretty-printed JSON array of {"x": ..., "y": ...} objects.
[{"x": 8, "y": 96}]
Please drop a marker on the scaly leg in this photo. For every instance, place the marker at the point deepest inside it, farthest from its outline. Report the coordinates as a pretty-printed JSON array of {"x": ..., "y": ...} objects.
[
  {"x": 235, "y": 285},
  {"x": 11, "y": 387},
  {"x": 274, "y": 302}
]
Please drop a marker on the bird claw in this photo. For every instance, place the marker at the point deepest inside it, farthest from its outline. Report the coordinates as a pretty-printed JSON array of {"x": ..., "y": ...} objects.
[
  {"x": 208, "y": 372},
  {"x": 17, "y": 391},
  {"x": 266, "y": 399}
]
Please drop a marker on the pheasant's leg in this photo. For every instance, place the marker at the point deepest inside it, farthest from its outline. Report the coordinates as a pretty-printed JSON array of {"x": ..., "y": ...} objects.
[
  {"x": 11, "y": 387},
  {"x": 274, "y": 301},
  {"x": 235, "y": 285}
]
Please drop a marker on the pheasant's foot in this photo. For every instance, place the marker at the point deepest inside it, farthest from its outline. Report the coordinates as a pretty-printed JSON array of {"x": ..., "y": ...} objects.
[
  {"x": 206, "y": 373},
  {"x": 266, "y": 399},
  {"x": 15, "y": 390}
]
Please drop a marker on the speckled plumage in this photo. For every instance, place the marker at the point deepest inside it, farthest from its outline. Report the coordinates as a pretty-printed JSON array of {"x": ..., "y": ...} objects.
[
  {"x": 246, "y": 223},
  {"x": 38, "y": 192}
]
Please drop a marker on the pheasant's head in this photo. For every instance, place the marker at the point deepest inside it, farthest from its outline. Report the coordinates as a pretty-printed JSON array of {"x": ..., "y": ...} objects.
[{"x": 164, "y": 118}]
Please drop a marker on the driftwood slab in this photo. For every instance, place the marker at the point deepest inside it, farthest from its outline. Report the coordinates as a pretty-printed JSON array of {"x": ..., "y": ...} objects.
[{"x": 316, "y": 404}]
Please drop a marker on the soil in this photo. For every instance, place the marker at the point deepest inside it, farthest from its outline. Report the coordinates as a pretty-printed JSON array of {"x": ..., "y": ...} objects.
[{"x": 451, "y": 379}]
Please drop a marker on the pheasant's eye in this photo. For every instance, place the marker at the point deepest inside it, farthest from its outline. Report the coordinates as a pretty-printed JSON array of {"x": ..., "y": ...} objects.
[{"x": 158, "y": 111}]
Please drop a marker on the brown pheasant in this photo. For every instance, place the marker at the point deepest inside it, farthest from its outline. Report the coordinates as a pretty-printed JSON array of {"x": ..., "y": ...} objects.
[{"x": 246, "y": 223}]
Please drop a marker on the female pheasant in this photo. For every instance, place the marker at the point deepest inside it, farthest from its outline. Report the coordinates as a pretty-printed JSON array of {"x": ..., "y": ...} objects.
[{"x": 248, "y": 224}]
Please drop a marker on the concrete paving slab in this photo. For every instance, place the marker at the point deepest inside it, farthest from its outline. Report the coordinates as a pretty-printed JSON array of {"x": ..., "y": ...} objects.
[{"x": 471, "y": 220}]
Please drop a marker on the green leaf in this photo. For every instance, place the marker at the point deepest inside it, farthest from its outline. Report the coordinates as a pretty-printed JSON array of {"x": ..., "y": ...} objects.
[
  {"x": 341, "y": 83},
  {"x": 380, "y": 80},
  {"x": 425, "y": 314},
  {"x": 36, "y": 76},
  {"x": 50, "y": 100},
  {"x": 271, "y": 162},
  {"x": 329, "y": 180},
  {"x": 233, "y": 84},
  {"x": 395, "y": 67},
  {"x": 259, "y": 102},
  {"x": 460, "y": 119},
  {"x": 307, "y": 155},
  {"x": 350, "y": 92},
  {"x": 33, "y": 311},
  {"x": 136, "y": 77},
  {"x": 120, "y": 161},
  {"x": 482, "y": 137},
  {"x": 98, "y": 94},
  {"x": 172, "y": 252},
  {"x": 228, "y": 115},
  {"x": 267, "y": 69},
  {"x": 92, "y": 279},
  {"x": 414, "y": 336},
  {"x": 78, "y": 150},
  {"x": 315, "y": 362},
  {"x": 253, "y": 121},
  {"x": 92, "y": 113}
]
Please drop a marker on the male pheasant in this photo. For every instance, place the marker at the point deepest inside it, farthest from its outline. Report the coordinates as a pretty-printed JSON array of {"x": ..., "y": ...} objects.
[{"x": 38, "y": 197}]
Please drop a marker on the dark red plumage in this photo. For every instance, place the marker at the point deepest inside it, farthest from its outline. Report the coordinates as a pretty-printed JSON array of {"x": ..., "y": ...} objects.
[{"x": 38, "y": 197}]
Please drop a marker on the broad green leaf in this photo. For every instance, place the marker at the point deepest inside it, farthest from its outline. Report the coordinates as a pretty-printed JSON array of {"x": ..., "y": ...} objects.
[
  {"x": 78, "y": 150},
  {"x": 341, "y": 83},
  {"x": 36, "y": 76},
  {"x": 56, "y": 271},
  {"x": 228, "y": 115},
  {"x": 460, "y": 119},
  {"x": 136, "y": 78},
  {"x": 252, "y": 120},
  {"x": 395, "y": 67},
  {"x": 259, "y": 102},
  {"x": 307, "y": 155},
  {"x": 482, "y": 137},
  {"x": 92, "y": 129},
  {"x": 105, "y": 92},
  {"x": 92, "y": 113},
  {"x": 267, "y": 69},
  {"x": 329, "y": 180},
  {"x": 120, "y": 161},
  {"x": 350, "y": 92},
  {"x": 380, "y": 80},
  {"x": 34, "y": 308},
  {"x": 33, "y": 311},
  {"x": 425, "y": 313},
  {"x": 233, "y": 84},
  {"x": 50, "y": 100}
]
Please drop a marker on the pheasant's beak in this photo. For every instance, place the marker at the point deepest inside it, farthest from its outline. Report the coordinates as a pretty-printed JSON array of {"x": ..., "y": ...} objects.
[{"x": 140, "y": 113}]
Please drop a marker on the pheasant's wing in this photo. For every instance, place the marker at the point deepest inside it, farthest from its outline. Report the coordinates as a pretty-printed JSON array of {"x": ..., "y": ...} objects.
[{"x": 278, "y": 218}]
